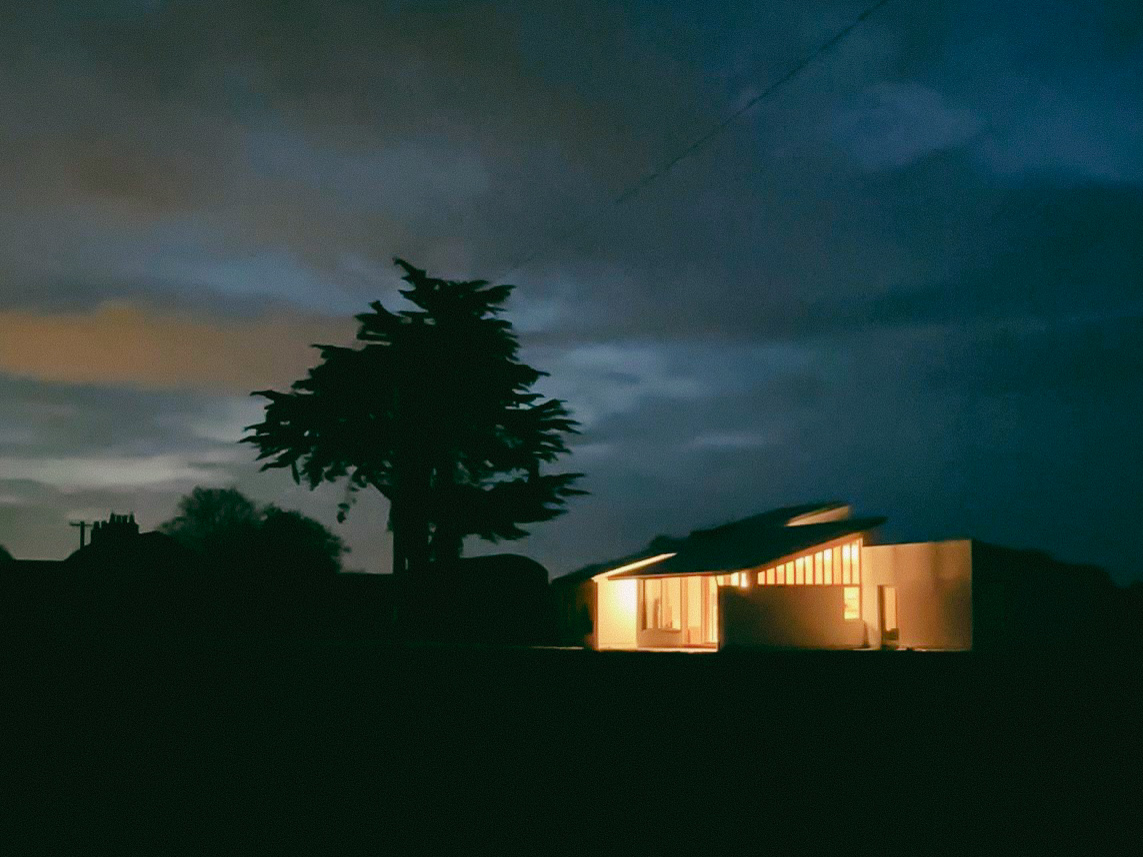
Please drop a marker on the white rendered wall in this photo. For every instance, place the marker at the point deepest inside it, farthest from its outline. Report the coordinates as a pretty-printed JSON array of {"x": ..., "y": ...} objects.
[
  {"x": 616, "y": 613},
  {"x": 802, "y": 617},
  {"x": 934, "y": 592}
]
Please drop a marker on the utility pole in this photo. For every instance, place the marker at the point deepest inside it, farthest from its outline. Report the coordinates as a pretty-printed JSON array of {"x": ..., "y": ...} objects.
[{"x": 82, "y": 532}]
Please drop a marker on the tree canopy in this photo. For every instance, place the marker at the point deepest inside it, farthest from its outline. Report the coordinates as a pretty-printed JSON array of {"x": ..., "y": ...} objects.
[
  {"x": 434, "y": 410},
  {"x": 233, "y": 532},
  {"x": 213, "y": 519}
]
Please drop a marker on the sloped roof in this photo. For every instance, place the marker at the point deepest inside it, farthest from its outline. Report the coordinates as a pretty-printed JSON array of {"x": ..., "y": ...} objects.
[
  {"x": 658, "y": 545},
  {"x": 751, "y": 547},
  {"x": 746, "y": 543},
  {"x": 781, "y": 517}
]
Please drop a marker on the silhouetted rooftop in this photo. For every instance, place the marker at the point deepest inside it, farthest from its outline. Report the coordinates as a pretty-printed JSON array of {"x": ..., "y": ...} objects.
[{"x": 152, "y": 549}]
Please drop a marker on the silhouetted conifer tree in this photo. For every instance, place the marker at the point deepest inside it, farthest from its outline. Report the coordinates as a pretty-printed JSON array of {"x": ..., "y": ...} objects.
[{"x": 436, "y": 412}]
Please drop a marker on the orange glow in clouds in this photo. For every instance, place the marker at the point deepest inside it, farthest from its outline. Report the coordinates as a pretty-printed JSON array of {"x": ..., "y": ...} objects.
[{"x": 123, "y": 344}]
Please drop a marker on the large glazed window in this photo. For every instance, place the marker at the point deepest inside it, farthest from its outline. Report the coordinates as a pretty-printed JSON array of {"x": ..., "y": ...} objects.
[
  {"x": 663, "y": 604},
  {"x": 694, "y": 587},
  {"x": 672, "y": 604},
  {"x": 652, "y": 602},
  {"x": 711, "y": 610}
]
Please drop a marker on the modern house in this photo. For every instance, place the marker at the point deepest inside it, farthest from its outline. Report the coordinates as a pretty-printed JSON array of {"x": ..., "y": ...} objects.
[{"x": 797, "y": 577}]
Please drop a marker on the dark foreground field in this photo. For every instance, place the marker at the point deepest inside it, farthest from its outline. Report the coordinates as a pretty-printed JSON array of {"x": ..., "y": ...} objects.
[{"x": 158, "y": 746}]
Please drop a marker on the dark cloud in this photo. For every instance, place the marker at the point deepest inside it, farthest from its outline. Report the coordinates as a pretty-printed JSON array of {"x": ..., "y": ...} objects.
[
  {"x": 48, "y": 420},
  {"x": 910, "y": 278},
  {"x": 1100, "y": 360}
]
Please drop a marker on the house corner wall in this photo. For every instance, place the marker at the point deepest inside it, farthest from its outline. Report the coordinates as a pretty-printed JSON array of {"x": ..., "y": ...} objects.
[{"x": 934, "y": 592}]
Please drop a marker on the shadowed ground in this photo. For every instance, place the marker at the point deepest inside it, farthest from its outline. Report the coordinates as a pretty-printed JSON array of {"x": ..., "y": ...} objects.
[{"x": 181, "y": 741}]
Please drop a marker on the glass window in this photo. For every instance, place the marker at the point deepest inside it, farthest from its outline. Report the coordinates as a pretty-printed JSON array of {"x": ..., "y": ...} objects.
[
  {"x": 781, "y": 574},
  {"x": 663, "y": 604},
  {"x": 799, "y": 571},
  {"x": 712, "y": 611},
  {"x": 845, "y": 564},
  {"x": 652, "y": 603},
  {"x": 694, "y": 606},
  {"x": 761, "y": 578},
  {"x": 770, "y": 576},
  {"x": 852, "y": 602},
  {"x": 857, "y": 562},
  {"x": 790, "y": 572},
  {"x": 818, "y": 568},
  {"x": 827, "y": 559},
  {"x": 672, "y": 604}
]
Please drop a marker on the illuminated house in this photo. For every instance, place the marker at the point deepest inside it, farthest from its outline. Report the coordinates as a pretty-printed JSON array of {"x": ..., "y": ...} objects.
[{"x": 797, "y": 577}]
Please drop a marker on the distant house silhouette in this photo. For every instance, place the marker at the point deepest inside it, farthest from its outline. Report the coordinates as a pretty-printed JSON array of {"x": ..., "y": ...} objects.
[
  {"x": 116, "y": 529},
  {"x": 125, "y": 581},
  {"x": 121, "y": 581},
  {"x": 117, "y": 544}
]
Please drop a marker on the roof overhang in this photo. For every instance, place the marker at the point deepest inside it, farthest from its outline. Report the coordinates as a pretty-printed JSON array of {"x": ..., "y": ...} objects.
[
  {"x": 633, "y": 569},
  {"x": 786, "y": 544}
]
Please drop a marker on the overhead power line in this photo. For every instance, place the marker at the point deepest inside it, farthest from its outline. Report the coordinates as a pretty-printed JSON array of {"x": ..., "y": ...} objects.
[{"x": 700, "y": 142}]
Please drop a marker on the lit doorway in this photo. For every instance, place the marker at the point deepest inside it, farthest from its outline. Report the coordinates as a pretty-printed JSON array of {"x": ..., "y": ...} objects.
[{"x": 887, "y": 610}]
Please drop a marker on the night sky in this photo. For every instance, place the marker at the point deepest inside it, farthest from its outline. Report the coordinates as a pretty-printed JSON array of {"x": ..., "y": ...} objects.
[{"x": 912, "y": 278}]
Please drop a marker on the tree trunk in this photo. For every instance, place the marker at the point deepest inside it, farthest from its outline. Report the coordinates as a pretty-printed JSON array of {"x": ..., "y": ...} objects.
[
  {"x": 396, "y": 526},
  {"x": 417, "y": 545},
  {"x": 396, "y": 612},
  {"x": 447, "y": 546},
  {"x": 416, "y": 512}
]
